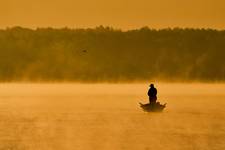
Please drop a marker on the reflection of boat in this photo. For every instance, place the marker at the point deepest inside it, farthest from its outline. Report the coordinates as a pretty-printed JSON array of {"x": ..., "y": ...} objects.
[{"x": 153, "y": 108}]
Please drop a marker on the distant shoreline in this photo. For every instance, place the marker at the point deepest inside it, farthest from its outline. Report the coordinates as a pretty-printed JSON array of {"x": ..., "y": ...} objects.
[
  {"x": 104, "y": 54},
  {"x": 113, "y": 28}
]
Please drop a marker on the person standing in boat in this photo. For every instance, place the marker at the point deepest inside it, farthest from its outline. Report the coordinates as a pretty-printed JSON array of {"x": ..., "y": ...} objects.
[{"x": 152, "y": 93}]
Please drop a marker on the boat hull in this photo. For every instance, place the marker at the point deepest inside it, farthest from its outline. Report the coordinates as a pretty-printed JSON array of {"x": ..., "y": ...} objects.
[{"x": 152, "y": 108}]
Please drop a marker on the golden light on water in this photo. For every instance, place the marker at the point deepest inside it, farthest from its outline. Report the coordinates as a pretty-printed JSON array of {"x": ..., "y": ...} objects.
[
  {"x": 107, "y": 116},
  {"x": 71, "y": 88}
]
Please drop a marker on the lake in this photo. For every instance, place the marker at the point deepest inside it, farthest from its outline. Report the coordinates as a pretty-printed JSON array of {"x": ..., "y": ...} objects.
[{"x": 108, "y": 117}]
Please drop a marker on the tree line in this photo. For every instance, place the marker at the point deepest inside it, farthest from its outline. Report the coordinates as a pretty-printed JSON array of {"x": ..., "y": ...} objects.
[{"x": 107, "y": 54}]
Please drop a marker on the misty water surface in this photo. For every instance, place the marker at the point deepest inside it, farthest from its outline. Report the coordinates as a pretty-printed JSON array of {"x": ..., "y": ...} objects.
[{"x": 107, "y": 116}]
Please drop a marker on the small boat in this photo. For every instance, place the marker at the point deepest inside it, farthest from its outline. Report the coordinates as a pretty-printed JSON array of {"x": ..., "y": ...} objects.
[{"x": 153, "y": 108}]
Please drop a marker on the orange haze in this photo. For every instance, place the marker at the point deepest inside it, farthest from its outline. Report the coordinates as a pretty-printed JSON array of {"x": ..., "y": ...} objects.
[{"x": 125, "y": 14}]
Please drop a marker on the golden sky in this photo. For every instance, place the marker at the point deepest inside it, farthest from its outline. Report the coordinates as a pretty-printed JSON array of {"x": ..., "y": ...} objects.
[{"x": 124, "y": 14}]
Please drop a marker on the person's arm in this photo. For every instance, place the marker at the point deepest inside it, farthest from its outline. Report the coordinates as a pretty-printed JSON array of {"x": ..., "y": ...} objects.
[{"x": 149, "y": 92}]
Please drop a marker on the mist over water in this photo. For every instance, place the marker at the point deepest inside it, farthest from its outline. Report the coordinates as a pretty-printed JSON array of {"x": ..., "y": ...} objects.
[{"x": 107, "y": 116}]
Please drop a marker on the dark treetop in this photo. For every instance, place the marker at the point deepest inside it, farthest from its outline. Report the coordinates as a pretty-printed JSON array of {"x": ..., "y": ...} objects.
[{"x": 106, "y": 54}]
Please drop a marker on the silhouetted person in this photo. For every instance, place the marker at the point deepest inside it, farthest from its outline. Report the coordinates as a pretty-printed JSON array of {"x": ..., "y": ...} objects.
[{"x": 152, "y": 93}]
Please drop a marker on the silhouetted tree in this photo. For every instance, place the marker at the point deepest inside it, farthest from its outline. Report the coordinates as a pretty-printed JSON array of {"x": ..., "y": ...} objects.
[{"x": 58, "y": 54}]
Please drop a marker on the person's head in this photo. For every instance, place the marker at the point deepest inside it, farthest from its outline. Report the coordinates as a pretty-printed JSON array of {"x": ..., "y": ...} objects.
[{"x": 151, "y": 85}]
